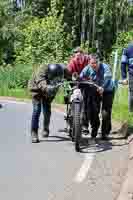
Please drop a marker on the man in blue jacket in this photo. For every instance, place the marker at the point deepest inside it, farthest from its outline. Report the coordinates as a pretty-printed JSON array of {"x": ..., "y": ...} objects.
[
  {"x": 101, "y": 74},
  {"x": 127, "y": 60},
  {"x": 92, "y": 97}
]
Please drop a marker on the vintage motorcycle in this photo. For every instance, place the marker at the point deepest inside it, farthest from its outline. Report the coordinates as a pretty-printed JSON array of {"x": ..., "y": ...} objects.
[{"x": 74, "y": 105}]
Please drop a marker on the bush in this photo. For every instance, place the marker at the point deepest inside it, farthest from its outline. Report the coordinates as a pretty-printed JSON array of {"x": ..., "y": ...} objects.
[
  {"x": 122, "y": 41},
  {"x": 15, "y": 77},
  {"x": 45, "y": 41}
]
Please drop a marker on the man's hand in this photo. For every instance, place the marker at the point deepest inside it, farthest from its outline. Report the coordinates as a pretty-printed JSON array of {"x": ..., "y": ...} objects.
[
  {"x": 52, "y": 89},
  {"x": 100, "y": 90},
  {"x": 124, "y": 82},
  {"x": 42, "y": 85}
]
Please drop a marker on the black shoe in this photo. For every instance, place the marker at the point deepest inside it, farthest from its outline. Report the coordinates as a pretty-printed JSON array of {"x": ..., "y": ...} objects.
[
  {"x": 105, "y": 137},
  {"x": 93, "y": 134},
  {"x": 45, "y": 133},
  {"x": 85, "y": 130},
  {"x": 34, "y": 136},
  {"x": 0, "y": 105}
]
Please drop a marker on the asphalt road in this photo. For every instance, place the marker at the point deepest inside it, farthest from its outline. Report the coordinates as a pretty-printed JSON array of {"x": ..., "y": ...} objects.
[{"x": 52, "y": 170}]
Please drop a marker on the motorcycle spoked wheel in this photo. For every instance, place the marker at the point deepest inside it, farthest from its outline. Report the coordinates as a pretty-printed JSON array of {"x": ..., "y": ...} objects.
[
  {"x": 69, "y": 121},
  {"x": 76, "y": 125}
]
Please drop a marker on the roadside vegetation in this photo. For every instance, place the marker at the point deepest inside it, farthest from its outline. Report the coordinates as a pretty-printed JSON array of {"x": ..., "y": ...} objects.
[{"x": 32, "y": 32}]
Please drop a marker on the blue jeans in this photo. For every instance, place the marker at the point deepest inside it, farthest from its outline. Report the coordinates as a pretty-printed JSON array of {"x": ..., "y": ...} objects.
[{"x": 39, "y": 103}]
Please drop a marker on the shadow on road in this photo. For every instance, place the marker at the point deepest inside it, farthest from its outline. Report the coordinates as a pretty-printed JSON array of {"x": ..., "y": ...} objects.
[
  {"x": 88, "y": 146},
  {"x": 63, "y": 130},
  {"x": 86, "y": 143},
  {"x": 55, "y": 139}
]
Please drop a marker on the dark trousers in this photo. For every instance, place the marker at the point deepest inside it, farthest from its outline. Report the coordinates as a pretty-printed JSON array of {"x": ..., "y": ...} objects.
[
  {"x": 91, "y": 109},
  {"x": 107, "y": 102},
  {"x": 94, "y": 114},
  {"x": 130, "y": 93},
  {"x": 39, "y": 103}
]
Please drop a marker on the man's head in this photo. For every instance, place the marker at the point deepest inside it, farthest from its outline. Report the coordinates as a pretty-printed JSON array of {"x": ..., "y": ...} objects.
[
  {"x": 55, "y": 71},
  {"x": 77, "y": 50},
  {"x": 94, "y": 62}
]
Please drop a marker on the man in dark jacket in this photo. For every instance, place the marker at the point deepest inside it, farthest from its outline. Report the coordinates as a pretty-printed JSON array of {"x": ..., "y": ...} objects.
[
  {"x": 101, "y": 74},
  {"x": 92, "y": 96},
  {"x": 127, "y": 60},
  {"x": 44, "y": 86}
]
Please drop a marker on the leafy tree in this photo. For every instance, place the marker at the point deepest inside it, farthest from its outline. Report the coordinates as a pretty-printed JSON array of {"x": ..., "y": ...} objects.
[
  {"x": 45, "y": 40},
  {"x": 39, "y": 7}
]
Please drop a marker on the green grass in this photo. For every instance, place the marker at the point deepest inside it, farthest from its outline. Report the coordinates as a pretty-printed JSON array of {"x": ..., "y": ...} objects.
[
  {"x": 120, "y": 106},
  {"x": 59, "y": 97},
  {"x": 18, "y": 93},
  {"x": 24, "y": 94}
]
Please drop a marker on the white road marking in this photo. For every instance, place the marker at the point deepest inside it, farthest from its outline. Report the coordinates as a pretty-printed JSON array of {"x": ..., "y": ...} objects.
[{"x": 83, "y": 171}]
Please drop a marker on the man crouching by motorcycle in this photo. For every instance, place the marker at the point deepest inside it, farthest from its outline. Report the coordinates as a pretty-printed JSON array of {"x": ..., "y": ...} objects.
[
  {"x": 44, "y": 86},
  {"x": 92, "y": 97}
]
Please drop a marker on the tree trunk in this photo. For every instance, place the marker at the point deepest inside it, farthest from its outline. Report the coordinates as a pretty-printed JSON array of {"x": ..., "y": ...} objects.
[{"x": 94, "y": 24}]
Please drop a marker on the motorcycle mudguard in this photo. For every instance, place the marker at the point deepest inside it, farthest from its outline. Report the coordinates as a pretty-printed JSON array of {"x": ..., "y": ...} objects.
[{"x": 76, "y": 96}]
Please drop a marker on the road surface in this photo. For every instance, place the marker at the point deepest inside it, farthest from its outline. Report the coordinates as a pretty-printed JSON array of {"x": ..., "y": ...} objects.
[{"x": 52, "y": 170}]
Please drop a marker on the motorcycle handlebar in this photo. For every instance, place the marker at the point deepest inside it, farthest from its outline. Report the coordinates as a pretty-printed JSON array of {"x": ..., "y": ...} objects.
[
  {"x": 83, "y": 83},
  {"x": 90, "y": 83}
]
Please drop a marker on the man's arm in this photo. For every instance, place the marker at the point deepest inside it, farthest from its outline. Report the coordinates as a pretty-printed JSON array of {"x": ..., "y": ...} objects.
[
  {"x": 41, "y": 78},
  {"x": 85, "y": 73},
  {"x": 124, "y": 62},
  {"x": 41, "y": 73},
  {"x": 67, "y": 74},
  {"x": 107, "y": 76},
  {"x": 37, "y": 83},
  {"x": 71, "y": 66}
]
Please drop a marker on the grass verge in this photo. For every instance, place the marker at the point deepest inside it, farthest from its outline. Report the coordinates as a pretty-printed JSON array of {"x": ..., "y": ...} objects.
[
  {"x": 120, "y": 106},
  {"x": 120, "y": 110}
]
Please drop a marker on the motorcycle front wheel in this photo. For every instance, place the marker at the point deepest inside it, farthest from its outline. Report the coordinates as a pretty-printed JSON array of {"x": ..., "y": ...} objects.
[{"x": 76, "y": 125}]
